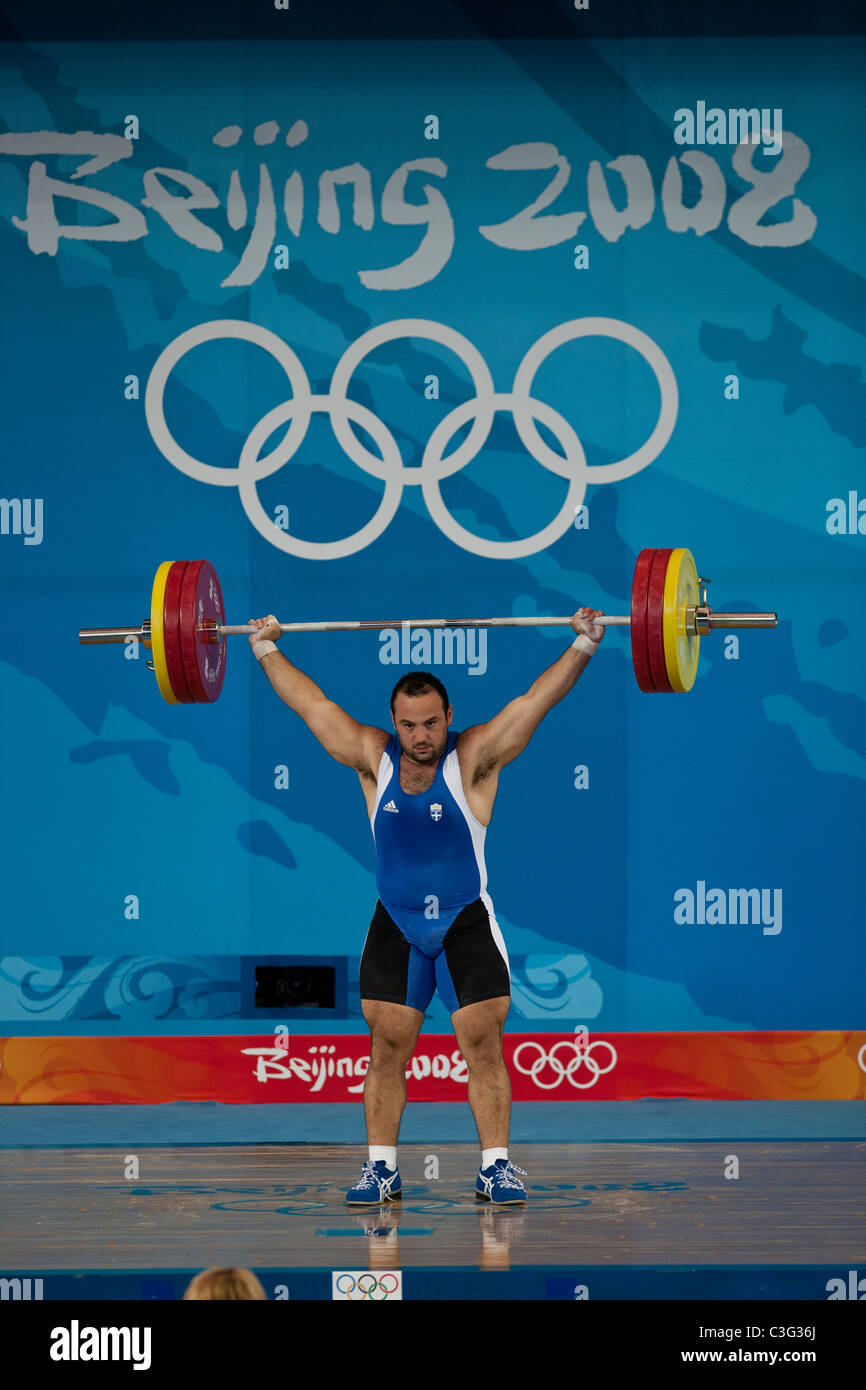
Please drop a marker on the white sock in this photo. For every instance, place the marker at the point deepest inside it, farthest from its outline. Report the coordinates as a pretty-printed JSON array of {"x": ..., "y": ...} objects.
[
  {"x": 489, "y": 1156},
  {"x": 382, "y": 1152}
]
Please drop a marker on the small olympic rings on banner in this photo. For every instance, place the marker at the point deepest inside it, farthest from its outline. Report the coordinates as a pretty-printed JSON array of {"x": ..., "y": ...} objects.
[
  {"x": 373, "y": 1286},
  {"x": 576, "y": 1055}
]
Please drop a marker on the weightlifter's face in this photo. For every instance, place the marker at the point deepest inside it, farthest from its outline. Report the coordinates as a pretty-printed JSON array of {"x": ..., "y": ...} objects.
[{"x": 422, "y": 726}]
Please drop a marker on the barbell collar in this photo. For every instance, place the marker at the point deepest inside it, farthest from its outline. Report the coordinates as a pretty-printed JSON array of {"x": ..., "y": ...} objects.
[
  {"x": 700, "y": 620},
  {"x": 93, "y": 636},
  {"x": 742, "y": 620}
]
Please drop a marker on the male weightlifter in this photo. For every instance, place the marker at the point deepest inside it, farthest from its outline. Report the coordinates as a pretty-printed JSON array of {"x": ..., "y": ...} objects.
[{"x": 430, "y": 795}]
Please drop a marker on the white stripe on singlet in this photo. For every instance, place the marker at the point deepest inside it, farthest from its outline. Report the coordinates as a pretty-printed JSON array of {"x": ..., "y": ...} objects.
[
  {"x": 495, "y": 932},
  {"x": 386, "y": 768},
  {"x": 454, "y": 783}
]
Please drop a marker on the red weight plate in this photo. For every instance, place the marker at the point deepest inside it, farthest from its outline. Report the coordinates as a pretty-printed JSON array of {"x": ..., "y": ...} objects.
[
  {"x": 171, "y": 632},
  {"x": 655, "y": 621},
  {"x": 639, "y": 654},
  {"x": 204, "y": 656}
]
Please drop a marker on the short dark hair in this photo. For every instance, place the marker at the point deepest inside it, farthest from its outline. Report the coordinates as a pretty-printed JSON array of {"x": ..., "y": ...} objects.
[{"x": 419, "y": 683}]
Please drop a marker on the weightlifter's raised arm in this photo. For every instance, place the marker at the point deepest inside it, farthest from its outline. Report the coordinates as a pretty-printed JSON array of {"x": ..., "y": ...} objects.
[
  {"x": 504, "y": 737},
  {"x": 348, "y": 742}
]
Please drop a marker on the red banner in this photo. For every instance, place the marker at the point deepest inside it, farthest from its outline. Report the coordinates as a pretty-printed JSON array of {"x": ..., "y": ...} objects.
[{"x": 543, "y": 1066}]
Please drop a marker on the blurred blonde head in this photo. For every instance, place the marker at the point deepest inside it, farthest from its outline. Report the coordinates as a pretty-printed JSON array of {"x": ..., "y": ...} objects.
[{"x": 225, "y": 1284}]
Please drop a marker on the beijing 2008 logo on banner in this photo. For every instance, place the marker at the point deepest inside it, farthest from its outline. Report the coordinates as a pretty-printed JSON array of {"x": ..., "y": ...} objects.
[
  {"x": 435, "y": 465},
  {"x": 354, "y": 1285}
]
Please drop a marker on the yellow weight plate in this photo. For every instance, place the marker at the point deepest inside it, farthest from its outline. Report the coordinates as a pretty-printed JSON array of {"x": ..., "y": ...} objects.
[
  {"x": 681, "y": 592},
  {"x": 157, "y": 633}
]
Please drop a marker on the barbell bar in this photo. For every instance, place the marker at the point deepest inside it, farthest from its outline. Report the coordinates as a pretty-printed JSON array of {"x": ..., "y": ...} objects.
[{"x": 669, "y": 615}]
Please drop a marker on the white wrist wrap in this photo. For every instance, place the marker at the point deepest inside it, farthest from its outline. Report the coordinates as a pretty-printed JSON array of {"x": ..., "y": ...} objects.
[
  {"x": 582, "y": 643},
  {"x": 262, "y": 647}
]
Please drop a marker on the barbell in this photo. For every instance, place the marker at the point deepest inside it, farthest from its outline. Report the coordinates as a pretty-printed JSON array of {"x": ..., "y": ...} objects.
[{"x": 185, "y": 630}]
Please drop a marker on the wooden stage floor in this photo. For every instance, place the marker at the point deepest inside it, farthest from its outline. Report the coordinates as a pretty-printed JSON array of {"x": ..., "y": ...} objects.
[{"x": 275, "y": 1205}]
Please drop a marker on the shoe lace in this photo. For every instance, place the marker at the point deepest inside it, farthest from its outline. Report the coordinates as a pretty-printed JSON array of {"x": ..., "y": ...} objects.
[
  {"x": 368, "y": 1175},
  {"x": 507, "y": 1175}
]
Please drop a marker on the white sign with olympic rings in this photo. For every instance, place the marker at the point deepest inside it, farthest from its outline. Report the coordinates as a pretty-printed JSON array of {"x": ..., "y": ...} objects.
[
  {"x": 435, "y": 463},
  {"x": 354, "y": 1285},
  {"x": 564, "y": 1061}
]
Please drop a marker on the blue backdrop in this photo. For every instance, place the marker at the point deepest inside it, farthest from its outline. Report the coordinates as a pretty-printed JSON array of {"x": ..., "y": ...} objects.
[{"x": 707, "y": 391}]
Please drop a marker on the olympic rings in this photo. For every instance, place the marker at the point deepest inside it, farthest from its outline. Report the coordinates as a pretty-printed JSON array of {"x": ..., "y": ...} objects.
[
  {"x": 581, "y": 1055},
  {"x": 509, "y": 550},
  {"x": 435, "y": 464},
  {"x": 601, "y": 328},
  {"x": 249, "y": 471},
  {"x": 437, "y": 333},
  {"x": 168, "y": 360},
  {"x": 375, "y": 1287}
]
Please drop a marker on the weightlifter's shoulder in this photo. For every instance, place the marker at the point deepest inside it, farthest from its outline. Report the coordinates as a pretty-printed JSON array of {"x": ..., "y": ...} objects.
[{"x": 470, "y": 740}]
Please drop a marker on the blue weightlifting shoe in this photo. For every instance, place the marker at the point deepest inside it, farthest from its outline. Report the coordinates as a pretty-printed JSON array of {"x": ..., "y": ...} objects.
[
  {"x": 499, "y": 1183},
  {"x": 378, "y": 1183}
]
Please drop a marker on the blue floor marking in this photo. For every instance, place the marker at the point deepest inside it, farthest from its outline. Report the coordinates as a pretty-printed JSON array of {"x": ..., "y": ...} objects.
[{"x": 190, "y": 1124}]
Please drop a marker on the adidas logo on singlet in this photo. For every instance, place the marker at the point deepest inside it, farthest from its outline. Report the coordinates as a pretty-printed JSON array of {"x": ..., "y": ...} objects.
[{"x": 389, "y": 806}]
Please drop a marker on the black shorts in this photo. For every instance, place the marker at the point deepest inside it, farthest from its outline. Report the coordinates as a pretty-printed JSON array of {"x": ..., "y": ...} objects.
[{"x": 471, "y": 963}]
